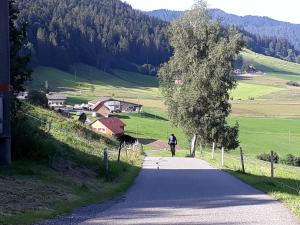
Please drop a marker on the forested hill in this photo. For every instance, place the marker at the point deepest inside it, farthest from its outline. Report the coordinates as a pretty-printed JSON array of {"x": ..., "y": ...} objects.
[
  {"x": 262, "y": 34},
  {"x": 101, "y": 33},
  {"x": 257, "y": 25}
]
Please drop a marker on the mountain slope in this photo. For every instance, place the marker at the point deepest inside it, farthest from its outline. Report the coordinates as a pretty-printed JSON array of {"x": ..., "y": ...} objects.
[
  {"x": 103, "y": 33},
  {"x": 262, "y": 26}
]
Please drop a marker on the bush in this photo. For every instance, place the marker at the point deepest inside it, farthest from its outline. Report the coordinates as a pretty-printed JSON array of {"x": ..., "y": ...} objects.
[
  {"x": 267, "y": 157},
  {"x": 291, "y": 160},
  {"x": 29, "y": 141},
  {"x": 38, "y": 98},
  {"x": 230, "y": 137},
  {"x": 293, "y": 83}
]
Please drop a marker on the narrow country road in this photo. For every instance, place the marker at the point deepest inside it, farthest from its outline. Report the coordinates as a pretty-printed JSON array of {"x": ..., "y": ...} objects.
[{"x": 184, "y": 191}]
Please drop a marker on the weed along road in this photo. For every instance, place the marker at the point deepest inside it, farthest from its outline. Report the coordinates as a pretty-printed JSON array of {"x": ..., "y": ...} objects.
[{"x": 185, "y": 191}]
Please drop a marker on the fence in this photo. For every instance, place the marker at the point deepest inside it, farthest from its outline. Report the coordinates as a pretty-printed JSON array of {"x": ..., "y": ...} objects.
[
  {"x": 280, "y": 174},
  {"x": 105, "y": 154}
]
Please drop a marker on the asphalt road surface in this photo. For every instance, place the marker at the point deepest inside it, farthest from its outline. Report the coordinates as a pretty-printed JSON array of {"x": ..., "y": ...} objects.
[{"x": 184, "y": 191}]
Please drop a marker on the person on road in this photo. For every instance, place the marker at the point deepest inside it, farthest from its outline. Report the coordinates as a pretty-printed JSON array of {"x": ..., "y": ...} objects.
[{"x": 172, "y": 142}]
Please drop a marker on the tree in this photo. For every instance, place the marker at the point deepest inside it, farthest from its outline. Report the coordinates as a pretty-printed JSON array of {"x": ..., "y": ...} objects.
[
  {"x": 38, "y": 98},
  {"x": 203, "y": 61},
  {"x": 19, "y": 54}
]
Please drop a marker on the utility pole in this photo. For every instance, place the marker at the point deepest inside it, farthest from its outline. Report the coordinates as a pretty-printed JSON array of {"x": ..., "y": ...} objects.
[{"x": 5, "y": 136}]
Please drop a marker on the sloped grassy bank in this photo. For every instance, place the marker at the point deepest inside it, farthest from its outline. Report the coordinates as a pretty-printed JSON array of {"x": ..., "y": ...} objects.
[{"x": 59, "y": 167}]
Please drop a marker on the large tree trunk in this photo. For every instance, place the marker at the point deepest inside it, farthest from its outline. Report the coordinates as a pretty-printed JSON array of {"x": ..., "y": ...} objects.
[{"x": 193, "y": 146}]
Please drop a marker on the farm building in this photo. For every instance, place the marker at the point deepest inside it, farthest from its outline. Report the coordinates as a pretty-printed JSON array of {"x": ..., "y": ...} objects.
[
  {"x": 106, "y": 106},
  {"x": 56, "y": 101},
  {"x": 111, "y": 126}
]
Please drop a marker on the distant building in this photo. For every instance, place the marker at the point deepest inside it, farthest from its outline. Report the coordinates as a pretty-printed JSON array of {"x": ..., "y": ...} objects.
[
  {"x": 106, "y": 106},
  {"x": 22, "y": 95},
  {"x": 56, "y": 100},
  {"x": 238, "y": 71},
  {"x": 251, "y": 69},
  {"x": 111, "y": 126},
  {"x": 178, "y": 82}
]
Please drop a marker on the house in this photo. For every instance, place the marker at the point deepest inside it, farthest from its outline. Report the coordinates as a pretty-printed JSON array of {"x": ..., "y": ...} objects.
[
  {"x": 111, "y": 126},
  {"x": 130, "y": 107},
  {"x": 178, "y": 82},
  {"x": 56, "y": 101},
  {"x": 251, "y": 69},
  {"x": 22, "y": 95},
  {"x": 106, "y": 106}
]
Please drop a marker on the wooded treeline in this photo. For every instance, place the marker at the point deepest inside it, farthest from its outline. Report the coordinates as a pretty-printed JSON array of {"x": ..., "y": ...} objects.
[
  {"x": 102, "y": 33},
  {"x": 271, "y": 46},
  {"x": 261, "y": 34}
]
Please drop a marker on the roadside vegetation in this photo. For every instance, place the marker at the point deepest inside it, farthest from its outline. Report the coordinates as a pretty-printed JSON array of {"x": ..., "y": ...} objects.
[{"x": 58, "y": 166}]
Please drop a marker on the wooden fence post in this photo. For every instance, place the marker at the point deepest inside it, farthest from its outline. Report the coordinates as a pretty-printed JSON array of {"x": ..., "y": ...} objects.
[
  {"x": 242, "y": 159},
  {"x": 119, "y": 153},
  {"x": 222, "y": 160},
  {"x": 213, "y": 151},
  {"x": 272, "y": 164},
  {"x": 105, "y": 161}
]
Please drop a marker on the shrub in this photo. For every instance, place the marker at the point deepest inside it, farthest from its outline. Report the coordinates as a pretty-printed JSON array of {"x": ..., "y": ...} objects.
[
  {"x": 291, "y": 160},
  {"x": 267, "y": 157},
  {"x": 38, "y": 98},
  {"x": 293, "y": 83}
]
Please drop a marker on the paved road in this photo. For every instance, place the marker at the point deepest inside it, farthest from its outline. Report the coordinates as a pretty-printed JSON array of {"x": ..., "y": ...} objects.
[{"x": 185, "y": 191}]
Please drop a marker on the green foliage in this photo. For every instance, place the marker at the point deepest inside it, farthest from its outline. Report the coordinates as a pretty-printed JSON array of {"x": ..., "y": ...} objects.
[
  {"x": 106, "y": 34},
  {"x": 203, "y": 61},
  {"x": 291, "y": 160},
  {"x": 31, "y": 142},
  {"x": 293, "y": 83},
  {"x": 267, "y": 157},
  {"x": 38, "y": 98},
  {"x": 19, "y": 55},
  {"x": 19, "y": 52}
]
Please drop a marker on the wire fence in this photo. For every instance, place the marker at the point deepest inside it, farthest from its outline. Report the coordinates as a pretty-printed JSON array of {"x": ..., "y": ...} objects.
[
  {"x": 112, "y": 153},
  {"x": 285, "y": 176}
]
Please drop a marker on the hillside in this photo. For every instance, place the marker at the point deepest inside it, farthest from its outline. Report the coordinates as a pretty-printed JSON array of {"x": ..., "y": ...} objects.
[
  {"x": 256, "y": 25},
  {"x": 272, "y": 66},
  {"x": 58, "y": 167},
  {"x": 102, "y": 33}
]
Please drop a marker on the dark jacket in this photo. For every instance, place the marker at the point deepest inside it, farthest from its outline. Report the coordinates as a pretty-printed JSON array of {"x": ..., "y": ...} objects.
[{"x": 172, "y": 140}]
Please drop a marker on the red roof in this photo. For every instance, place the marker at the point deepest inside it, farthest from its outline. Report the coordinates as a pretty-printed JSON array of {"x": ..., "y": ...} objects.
[{"x": 114, "y": 124}]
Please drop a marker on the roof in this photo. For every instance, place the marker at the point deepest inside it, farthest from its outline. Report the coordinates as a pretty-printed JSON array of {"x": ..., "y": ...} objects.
[
  {"x": 113, "y": 123},
  {"x": 55, "y": 96},
  {"x": 132, "y": 103},
  {"x": 100, "y": 100}
]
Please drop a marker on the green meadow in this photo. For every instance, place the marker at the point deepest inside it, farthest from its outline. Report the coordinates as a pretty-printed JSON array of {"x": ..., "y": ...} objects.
[
  {"x": 266, "y": 109},
  {"x": 273, "y": 66}
]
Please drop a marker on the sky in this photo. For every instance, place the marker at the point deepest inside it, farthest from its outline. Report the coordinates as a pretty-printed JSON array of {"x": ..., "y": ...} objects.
[{"x": 284, "y": 10}]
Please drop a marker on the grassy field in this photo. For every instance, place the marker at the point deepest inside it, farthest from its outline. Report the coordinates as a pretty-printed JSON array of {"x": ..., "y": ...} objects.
[
  {"x": 245, "y": 91},
  {"x": 269, "y": 121},
  {"x": 273, "y": 66},
  {"x": 83, "y": 83},
  {"x": 257, "y": 135}
]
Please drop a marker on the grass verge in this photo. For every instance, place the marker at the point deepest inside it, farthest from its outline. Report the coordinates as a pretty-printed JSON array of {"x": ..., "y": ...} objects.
[{"x": 285, "y": 186}]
